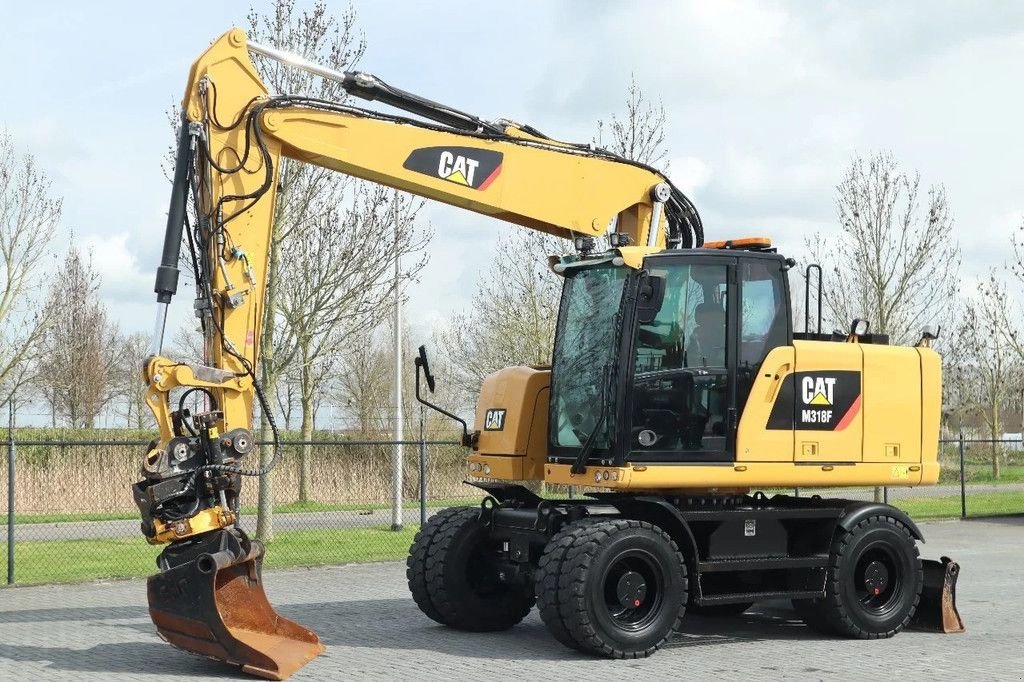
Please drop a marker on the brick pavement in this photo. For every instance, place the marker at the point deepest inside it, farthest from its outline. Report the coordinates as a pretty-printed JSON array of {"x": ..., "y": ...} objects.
[{"x": 100, "y": 631}]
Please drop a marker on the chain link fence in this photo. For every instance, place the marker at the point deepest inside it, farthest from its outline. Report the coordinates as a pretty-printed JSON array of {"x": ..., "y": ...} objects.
[{"x": 332, "y": 500}]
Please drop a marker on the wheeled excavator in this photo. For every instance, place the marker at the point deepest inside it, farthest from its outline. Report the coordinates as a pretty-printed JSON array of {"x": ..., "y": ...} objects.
[{"x": 678, "y": 393}]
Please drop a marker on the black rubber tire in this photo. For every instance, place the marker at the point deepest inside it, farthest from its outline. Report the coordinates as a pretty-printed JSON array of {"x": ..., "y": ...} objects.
[
  {"x": 720, "y": 610},
  {"x": 848, "y": 607},
  {"x": 595, "y": 554},
  {"x": 548, "y": 574},
  {"x": 448, "y": 577},
  {"x": 416, "y": 563}
]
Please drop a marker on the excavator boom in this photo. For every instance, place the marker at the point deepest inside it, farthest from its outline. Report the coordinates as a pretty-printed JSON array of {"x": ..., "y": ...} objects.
[{"x": 234, "y": 136}]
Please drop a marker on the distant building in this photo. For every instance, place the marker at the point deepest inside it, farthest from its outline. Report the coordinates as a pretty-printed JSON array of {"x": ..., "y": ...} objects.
[{"x": 1014, "y": 443}]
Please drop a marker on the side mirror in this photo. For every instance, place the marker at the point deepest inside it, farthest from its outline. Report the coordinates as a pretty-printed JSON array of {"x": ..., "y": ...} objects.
[
  {"x": 859, "y": 327},
  {"x": 421, "y": 361},
  {"x": 649, "y": 298}
]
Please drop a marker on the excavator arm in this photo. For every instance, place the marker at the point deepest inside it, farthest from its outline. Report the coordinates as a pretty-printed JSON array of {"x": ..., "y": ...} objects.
[{"x": 234, "y": 136}]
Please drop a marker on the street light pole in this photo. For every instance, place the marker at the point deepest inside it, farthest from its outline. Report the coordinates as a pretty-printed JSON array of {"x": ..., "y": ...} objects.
[{"x": 396, "y": 503}]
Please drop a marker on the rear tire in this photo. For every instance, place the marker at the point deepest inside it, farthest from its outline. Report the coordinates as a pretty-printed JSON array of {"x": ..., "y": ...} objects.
[
  {"x": 622, "y": 589},
  {"x": 416, "y": 563},
  {"x": 548, "y": 577},
  {"x": 873, "y": 582},
  {"x": 451, "y": 579}
]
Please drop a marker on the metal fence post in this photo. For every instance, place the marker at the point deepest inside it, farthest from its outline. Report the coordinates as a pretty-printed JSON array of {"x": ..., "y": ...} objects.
[
  {"x": 10, "y": 491},
  {"x": 963, "y": 481},
  {"x": 423, "y": 469}
]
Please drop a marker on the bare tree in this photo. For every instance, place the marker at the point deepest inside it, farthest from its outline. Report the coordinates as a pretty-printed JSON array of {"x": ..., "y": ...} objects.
[
  {"x": 639, "y": 134},
  {"x": 81, "y": 345},
  {"x": 338, "y": 283},
  {"x": 512, "y": 318},
  {"x": 985, "y": 377},
  {"x": 29, "y": 217},
  {"x": 127, "y": 380},
  {"x": 894, "y": 261},
  {"x": 334, "y": 41}
]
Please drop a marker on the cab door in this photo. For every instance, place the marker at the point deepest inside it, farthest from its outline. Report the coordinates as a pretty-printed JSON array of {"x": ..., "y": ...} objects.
[{"x": 681, "y": 403}]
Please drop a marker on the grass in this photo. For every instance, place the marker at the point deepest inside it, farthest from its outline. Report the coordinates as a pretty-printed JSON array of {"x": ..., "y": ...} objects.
[
  {"x": 981, "y": 473},
  {"x": 948, "y": 506},
  {"x": 59, "y": 561},
  {"x": 290, "y": 508}
]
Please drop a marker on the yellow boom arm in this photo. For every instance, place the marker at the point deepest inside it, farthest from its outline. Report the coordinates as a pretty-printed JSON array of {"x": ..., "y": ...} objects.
[{"x": 233, "y": 138}]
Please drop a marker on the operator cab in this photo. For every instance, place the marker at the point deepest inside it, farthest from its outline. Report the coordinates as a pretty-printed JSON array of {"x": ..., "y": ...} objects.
[{"x": 692, "y": 359}]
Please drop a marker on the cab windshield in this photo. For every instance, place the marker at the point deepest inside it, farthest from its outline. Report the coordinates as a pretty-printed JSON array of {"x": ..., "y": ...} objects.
[{"x": 585, "y": 357}]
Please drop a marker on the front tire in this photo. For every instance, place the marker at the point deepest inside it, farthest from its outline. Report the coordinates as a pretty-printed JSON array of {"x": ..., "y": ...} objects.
[
  {"x": 622, "y": 589},
  {"x": 453, "y": 578},
  {"x": 873, "y": 582}
]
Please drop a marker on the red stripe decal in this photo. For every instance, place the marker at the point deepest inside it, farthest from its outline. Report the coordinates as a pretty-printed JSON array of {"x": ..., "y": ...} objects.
[
  {"x": 850, "y": 414},
  {"x": 490, "y": 178}
]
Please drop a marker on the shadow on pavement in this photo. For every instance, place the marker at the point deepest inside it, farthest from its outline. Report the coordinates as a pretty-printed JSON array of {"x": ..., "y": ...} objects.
[
  {"x": 398, "y": 624},
  {"x": 124, "y": 657}
]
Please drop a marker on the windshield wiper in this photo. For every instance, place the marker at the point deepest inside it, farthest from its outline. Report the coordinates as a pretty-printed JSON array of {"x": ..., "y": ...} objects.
[{"x": 580, "y": 465}]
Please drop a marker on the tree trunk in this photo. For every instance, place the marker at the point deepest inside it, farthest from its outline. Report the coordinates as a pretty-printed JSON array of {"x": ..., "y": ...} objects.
[
  {"x": 268, "y": 375},
  {"x": 996, "y": 464},
  {"x": 306, "y": 388},
  {"x": 996, "y": 431}
]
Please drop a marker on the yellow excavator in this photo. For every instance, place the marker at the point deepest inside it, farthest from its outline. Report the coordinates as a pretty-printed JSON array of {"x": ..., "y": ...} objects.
[{"x": 678, "y": 387}]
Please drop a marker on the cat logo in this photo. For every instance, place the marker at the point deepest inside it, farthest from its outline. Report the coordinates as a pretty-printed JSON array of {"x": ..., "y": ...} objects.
[
  {"x": 466, "y": 166},
  {"x": 458, "y": 169},
  {"x": 819, "y": 390},
  {"x": 822, "y": 400},
  {"x": 494, "y": 420}
]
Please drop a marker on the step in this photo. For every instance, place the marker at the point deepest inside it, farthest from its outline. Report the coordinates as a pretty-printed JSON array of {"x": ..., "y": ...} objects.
[{"x": 762, "y": 563}]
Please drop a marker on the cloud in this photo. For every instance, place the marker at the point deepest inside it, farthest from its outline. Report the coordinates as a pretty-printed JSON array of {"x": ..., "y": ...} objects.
[
  {"x": 122, "y": 280},
  {"x": 689, "y": 174}
]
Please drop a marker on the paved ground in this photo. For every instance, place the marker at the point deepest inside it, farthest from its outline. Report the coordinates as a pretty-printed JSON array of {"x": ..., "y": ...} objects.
[
  {"x": 373, "y": 631},
  {"x": 129, "y": 528}
]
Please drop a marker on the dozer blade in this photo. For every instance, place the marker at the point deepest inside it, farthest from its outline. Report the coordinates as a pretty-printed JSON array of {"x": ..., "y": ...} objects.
[
  {"x": 208, "y": 600},
  {"x": 937, "y": 609}
]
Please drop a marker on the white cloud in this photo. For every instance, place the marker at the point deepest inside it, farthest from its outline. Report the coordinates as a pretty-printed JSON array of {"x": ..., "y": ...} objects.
[{"x": 690, "y": 174}]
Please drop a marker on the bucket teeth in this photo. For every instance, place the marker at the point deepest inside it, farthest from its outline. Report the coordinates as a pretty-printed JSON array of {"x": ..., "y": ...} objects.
[
  {"x": 937, "y": 609},
  {"x": 208, "y": 600}
]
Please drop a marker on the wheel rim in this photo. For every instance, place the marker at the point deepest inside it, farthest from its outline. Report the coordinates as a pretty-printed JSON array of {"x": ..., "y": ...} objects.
[
  {"x": 634, "y": 588},
  {"x": 878, "y": 580}
]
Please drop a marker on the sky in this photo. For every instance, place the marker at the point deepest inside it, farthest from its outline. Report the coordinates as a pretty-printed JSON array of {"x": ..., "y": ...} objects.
[{"x": 766, "y": 104}]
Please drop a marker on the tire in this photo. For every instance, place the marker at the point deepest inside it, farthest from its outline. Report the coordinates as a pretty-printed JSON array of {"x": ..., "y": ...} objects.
[
  {"x": 416, "y": 563},
  {"x": 873, "y": 582},
  {"x": 450, "y": 580},
  {"x": 548, "y": 575},
  {"x": 622, "y": 589},
  {"x": 721, "y": 610}
]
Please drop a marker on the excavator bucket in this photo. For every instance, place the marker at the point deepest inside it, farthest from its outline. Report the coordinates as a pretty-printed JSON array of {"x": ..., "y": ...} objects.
[
  {"x": 937, "y": 609},
  {"x": 208, "y": 600}
]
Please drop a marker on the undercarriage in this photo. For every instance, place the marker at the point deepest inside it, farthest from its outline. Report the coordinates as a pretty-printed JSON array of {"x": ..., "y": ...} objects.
[{"x": 614, "y": 574}]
